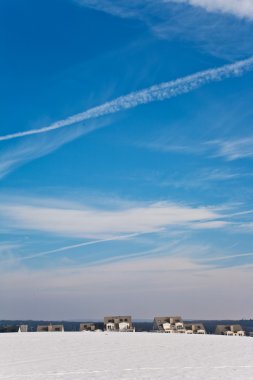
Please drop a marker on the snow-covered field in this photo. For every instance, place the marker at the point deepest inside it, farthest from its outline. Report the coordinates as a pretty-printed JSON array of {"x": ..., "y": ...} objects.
[{"x": 117, "y": 356}]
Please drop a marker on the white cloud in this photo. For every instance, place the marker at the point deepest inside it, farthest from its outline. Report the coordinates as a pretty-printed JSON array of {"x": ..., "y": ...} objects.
[
  {"x": 238, "y": 8},
  {"x": 88, "y": 222}
]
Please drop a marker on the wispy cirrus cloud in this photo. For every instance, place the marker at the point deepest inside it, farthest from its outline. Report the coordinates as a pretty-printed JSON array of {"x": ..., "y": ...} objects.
[
  {"x": 221, "y": 175},
  {"x": 246, "y": 227},
  {"x": 238, "y": 8},
  {"x": 7, "y": 249},
  {"x": 228, "y": 149},
  {"x": 216, "y": 224},
  {"x": 217, "y": 31},
  {"x": 233, "y": 149},
  {"x": 158, "y": 92},
  {"x": 201, "y": 179},
  {"x": 136, "y": 9},
  {"x": 229, "y": 257},
  {"x": 14, "y": 156},
  {"x": 165, "y": 144}
]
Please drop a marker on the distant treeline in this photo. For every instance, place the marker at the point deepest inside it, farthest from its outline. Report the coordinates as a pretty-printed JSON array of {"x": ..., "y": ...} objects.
[{"x": 210, "y": 325}]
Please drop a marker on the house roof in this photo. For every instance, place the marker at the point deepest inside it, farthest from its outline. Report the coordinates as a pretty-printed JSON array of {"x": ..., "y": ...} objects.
[
  {"x": 161, "y": 320},
  {"x": 224, "y": 328},
  {"x": 121, "y": 318}
]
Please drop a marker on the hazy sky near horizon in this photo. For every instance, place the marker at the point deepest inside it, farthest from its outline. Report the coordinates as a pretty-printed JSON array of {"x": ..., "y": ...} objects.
[{"x": 126, "y": 153}]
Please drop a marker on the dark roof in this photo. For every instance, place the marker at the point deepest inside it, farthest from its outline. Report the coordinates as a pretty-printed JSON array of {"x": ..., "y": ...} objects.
[
  {"x": 121, "y": 318},
  {"x": 194, "y": 326}
]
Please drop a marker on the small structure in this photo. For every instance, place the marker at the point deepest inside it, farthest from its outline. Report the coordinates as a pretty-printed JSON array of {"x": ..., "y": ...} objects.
[
  {"x": 229, "y": 330},
  {"x": 169, "y": 325},
  {"x": 195, "y": 328},
  {"x": 240, "y": 333},
  {"x": 87, "y": 326},
  {"x": 119, "y": 323},
  {"x": 23, "y": 328},
  {"x": 50, "y": 328},
  {"x": 10, "y": 329}
]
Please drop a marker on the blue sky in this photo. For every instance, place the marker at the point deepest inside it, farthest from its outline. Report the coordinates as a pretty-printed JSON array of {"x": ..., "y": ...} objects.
[{"x": 126, "y": 158}]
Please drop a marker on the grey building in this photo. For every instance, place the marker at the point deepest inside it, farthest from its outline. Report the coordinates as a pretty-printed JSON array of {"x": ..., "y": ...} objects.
[
  {"x": 23, "y": 328},
  {"x": 194, "y": 328},
  {"x": 50, "y": 328},
  {"x": 169, "y": 324},
  {"x": 87, "y": 326},
  {"x": 231, "y": 330},
  {"x": 118, "y": 323}
]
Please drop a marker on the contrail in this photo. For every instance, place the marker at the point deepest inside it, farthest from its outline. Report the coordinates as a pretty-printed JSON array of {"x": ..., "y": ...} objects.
[
  {"x": 221, "y": 258},
  {"x": 159, "y": 92},
  {"x": 68, "y": 247}
]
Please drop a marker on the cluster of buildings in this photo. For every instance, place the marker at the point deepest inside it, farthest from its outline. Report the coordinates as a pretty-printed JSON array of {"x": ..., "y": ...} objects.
[
  {"x": 175, "y": 325},
  {"x": 168, "y": 324},
  {"x": 112, "y": 323}
]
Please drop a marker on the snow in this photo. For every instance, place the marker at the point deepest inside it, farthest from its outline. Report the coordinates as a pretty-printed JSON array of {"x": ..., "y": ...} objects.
[{"x": 132, "y": 356}]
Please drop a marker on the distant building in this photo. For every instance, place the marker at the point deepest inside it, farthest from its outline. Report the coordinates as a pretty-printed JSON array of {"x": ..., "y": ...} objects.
[
  {"x": 23, "y": 328},
  {"x": 194, "y": 328},
  {"x": 10, "y": 329},
  {"x": 50, "y": 328},
  {"x": 87, "y": 327},
  {"x": 169, "y": 324},
  {"x": 118, "y": 323},
  {"x": 230, "y": 330}
]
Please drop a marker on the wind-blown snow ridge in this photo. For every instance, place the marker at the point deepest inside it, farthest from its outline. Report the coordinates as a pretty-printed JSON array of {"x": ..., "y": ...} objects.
[{"x": 159, "y": 92}]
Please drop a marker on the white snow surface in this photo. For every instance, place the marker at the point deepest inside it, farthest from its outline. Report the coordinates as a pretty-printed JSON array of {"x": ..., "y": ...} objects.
[{"x": 114, "y": 356}]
